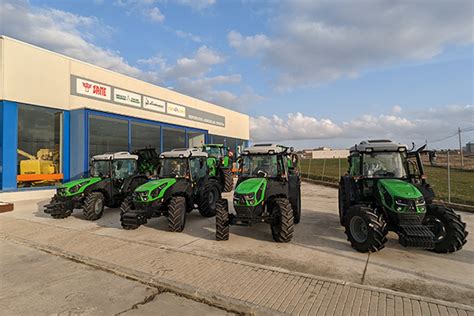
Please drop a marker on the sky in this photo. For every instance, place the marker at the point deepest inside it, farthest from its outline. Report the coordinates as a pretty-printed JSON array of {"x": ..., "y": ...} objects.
[{"x": 309, "y": 73}]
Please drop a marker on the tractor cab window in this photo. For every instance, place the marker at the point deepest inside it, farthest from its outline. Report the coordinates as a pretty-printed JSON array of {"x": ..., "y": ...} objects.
[
  {"x": 260, "y": 166},
  {"x": 124, "y": 168},
  {"x": 100, "y": 168},
  {"x": 173, "y": 167},
  {"x": 198, "y": 167},
  {"x": 215, "y": 152},
  {"x": 384, "y": 165},
  {"x": 354, "y": 168}
]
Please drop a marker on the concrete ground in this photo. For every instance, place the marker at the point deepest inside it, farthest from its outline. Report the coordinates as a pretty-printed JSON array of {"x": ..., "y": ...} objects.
[
  {"x": 37, "y": 283},
  {"x": 318, "y": 248}
]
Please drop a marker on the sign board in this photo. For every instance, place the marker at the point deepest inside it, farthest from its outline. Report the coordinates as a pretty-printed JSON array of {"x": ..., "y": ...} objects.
[
  {"x": 93, "y": 89},
  {"x": 128, "y": 98},
  {"x": 175, "y": 109},
  {"x": 154, "y": 104}
]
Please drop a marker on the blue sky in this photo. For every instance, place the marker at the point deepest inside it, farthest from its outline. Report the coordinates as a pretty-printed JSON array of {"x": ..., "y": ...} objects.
[{"x": 308, "y": 73}]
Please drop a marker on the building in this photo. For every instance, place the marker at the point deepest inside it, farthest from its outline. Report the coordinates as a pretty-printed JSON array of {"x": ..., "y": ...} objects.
[
  {"x": 470, "y": 148},
  {"x": 327, "y": 153},
  {"x": 56, "y": 112}
]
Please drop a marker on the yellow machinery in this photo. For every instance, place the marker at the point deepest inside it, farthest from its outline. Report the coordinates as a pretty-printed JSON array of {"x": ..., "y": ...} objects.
[{"x": 39, "y": 169}]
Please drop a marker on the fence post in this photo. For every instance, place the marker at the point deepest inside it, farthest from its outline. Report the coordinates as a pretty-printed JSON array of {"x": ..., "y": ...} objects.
[
  {"x": 324, "y": 167},
  {"x": 449, "y": 180},
  {"x": 309, "y": 167}
]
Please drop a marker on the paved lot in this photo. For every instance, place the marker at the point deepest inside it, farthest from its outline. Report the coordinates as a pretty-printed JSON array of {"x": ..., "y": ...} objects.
[
  {"x": 37, "y": 283},
  {"x": 319, "y": 248}
]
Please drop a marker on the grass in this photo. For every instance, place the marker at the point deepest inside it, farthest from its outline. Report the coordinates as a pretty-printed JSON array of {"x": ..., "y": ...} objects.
[{"x": 462, "y": 181}]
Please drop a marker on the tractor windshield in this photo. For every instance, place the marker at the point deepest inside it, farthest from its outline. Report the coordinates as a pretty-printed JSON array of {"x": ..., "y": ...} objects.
[
  {"x": 173, "y": 167},
  {"x": 260, "y": 166},
  {"x": 100, "y": 168},
  {"x": 213, "y": 151},
  {"x": 124, "y": 168},
  {"x": 384, "y": 165}
]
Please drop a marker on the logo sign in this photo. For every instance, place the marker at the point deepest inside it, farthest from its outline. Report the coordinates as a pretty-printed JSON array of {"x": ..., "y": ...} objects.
[
  {"x": 93, "y": 89},
  {"x": 175, "y": 109},
  {"x": 128, "y": 98},
  {"x": 154, "y": 104}
]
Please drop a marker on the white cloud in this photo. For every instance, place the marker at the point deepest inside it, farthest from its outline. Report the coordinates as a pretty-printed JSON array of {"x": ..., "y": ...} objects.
[
  {"x": 188, "y": 35},
  {"x": 197, "y": 4},
  {"x": 413, "y": 126},
  {"x": 317, "y": 41},
  {"x": 155, "y": 15}
]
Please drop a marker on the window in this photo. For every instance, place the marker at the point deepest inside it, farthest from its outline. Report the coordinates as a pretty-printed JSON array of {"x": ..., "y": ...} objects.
[
  {"x": 124, "y": 168},
  {"x": 39, "y": 146},
  {"x": 384, "y": 164},
  {"x": 173, "y": 168},
  {"x": 260, "y": 166},
  {"x": 195, "y": 139},
  {"x": 173, "y": 138},
  {"x": 107, "y": 135},
  {"x": 218, "y": 139},
  {"x": 197, "y": 167},
  {"x": 146, "y": 136}
]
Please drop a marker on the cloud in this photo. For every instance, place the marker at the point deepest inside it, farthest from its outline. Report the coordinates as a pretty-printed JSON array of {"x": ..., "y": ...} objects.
[
  {"x": 202, "y": 61},
  {"x": 413, "y": 126},
  {"x": 197, "y": 5},
  {"x": 317, "y": 41},
  {"x": 188, "y": 35},
  {"x": 155, "y": 15}
]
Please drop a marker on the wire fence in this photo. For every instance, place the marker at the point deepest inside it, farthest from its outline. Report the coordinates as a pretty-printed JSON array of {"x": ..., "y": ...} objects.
[{"x": 451, "y": 182}]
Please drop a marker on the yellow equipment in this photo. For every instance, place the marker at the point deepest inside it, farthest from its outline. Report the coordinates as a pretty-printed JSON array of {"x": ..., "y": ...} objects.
[{"x": 38, "y": 169}]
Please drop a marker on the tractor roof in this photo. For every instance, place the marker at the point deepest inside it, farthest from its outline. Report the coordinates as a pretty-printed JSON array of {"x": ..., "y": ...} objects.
[
  {"x": 213, "y": 145},
  {"x": 377, "y": 145},
  {"x": 183, "y": 153},
  {"x": 115, "y": 156},
  {"x": 265, "y": 149}
]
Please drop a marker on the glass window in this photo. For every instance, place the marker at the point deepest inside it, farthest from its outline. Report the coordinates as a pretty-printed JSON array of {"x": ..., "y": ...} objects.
[
  {"x": 173, "y": 138},
  {"x": 173, "y": 167},
  {"x": 107, "y": 135},
  {"x": 124, "y": 168},
  {"x": 260, "y": 166},
  {"x": 39, "y": 146},
  {"x": 195, "y": 139},
  {"x": 384, "y": 164},
  {"x": 218, "y": 139},
  {"x": 197, "y": 167},
  {"x": 355, "y": 166},
  {"x": 100, "y": 168},
  {"x": 146, "y": 136}
]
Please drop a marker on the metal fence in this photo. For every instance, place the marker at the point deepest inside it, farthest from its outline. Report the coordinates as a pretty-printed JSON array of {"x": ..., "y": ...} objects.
[{"x": 451, "y": 182}]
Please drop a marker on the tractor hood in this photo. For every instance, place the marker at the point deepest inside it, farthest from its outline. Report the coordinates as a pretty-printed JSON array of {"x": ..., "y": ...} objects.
[
  {"x": 250, "y": 185},
  {"x": 153, "y": 190},
  {"x": 77, "y": 186},
  {"x": 401, "y": 189}
]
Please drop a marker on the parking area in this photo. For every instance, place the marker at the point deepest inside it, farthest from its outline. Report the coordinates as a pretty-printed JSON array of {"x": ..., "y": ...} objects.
[{"x": 319, "y": 247}]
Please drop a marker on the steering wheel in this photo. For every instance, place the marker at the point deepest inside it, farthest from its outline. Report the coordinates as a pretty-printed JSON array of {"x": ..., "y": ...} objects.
[
  {"x": 262, "y": 173},
  {"x": 384, "y": 173}
]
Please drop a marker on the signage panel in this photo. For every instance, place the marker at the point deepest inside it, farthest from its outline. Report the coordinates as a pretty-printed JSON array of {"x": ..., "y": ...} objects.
[
  {"x": 175, "y": 109},
  {"x": 128, "y": 98},
  {"x": 154, "y": 104},
  {"x": 93, "y": 89}
]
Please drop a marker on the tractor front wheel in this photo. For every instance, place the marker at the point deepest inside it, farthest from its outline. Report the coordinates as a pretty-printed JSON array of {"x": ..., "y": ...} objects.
[
  {"x": 93, "y": 206},
  {"x": 283, "y": 221},
  {"x": 450, "y": 232},
  {"x": 177, "y": 214},
  {"x": 222, "y": 220},
  {"x": 208, "y": 199},
  {"x": 366, "y": 230},
  {"x": 228, "y": 179}
]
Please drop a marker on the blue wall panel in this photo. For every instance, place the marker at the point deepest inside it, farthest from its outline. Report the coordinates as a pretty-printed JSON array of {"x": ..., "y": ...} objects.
[
  {"x": 66, "y": 145},
  {"x": 1, "y": 144},
  {"x": 78, "y": 144},
  {"x": 9, "y": 145}
]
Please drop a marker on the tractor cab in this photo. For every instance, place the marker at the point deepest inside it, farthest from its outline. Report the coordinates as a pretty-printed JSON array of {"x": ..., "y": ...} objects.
[
  {"x": 220, "y": 165},
  {"x": 148, "y": 160}
]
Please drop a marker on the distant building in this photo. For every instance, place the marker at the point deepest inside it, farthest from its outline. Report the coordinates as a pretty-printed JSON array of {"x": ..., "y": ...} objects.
[
  {"x": 327, "y": 153},
  {"x": 470, "y": 148}
]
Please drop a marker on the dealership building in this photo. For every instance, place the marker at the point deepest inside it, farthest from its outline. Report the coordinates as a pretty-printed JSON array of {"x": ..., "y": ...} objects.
[{"x": 56, "y": 112}]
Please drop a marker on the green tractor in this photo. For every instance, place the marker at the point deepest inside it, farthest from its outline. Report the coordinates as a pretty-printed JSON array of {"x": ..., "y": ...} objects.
[
  {"x": 386, "y": 190},
  {"x": 268, "y": 190},
  {"x": 112, "y": 178},
  {"x": 148, "y": 161},
  {"x": 220, "y": 165},
  {"x": 183, "y": 183}
]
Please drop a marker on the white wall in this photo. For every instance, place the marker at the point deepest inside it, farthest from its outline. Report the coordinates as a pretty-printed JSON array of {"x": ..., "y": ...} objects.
[{"x": 330, "y": 154}]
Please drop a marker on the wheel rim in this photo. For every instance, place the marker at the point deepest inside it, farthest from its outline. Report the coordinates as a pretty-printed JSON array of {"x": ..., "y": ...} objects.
[
  {"x": 359, "y": 229},
  {"x": 212, "y": 198},
  {"x": 437, "y": 227},
  {"x": 98, "y": 206}
]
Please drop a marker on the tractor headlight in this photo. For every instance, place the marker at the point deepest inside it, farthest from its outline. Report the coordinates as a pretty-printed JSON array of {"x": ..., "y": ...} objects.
[
  {"x": 77, "y": 187},
  {"x": 155, "y": 192},
  {"x": 62, "y": 191},
  {"x": 401, "y": 202},
  {"x": 250, "y": 198},
  {"x": 420, "y": 202}
]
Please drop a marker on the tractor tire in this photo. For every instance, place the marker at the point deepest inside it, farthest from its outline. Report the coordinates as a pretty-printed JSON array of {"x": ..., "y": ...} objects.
[
  {"x": 128, "y": 218},
  {"x": 222, "y": 220},
  {"x": 177, "y": 214},
  {"x": 450, "y": 232},
  {"x": 93, "y": 206},
  {"x": 365, "y": 230},
  {"x": 283, "y": 222},
  {"x": 297, "y": 208},
  {"x": 228, "y": 180},
  {"x": 56, "y": 209},
  {"x": 344, "y": 203},
  {"x": 208, "y": 198}
]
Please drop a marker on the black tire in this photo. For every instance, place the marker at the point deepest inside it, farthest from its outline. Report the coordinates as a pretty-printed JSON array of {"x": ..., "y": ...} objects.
[
  {"x": 228, "y": 180},
  {"x": 126, "y": 216},
  {"x": 365, "y": 230},
  {"x": 56, "y": 210},
  {"x": 115, "y": 204},
  {"x": 344, "y": 203},
  {"x": 450, "y": 232},
  {"x": 177, "y": 214},
  {"x": 222, "y": 220},
  {"x": 93, "y": 206},
  {"x": 297, "y": 208},
  {"x": 208, "y": 198},
  {"x": 283, "y": 222}
]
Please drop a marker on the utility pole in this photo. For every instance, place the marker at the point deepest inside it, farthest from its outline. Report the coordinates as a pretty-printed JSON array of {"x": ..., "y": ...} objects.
[{"x": 460, "y": 148}]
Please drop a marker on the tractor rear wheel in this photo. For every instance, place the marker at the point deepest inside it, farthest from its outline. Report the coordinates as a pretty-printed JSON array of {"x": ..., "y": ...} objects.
[
  {"x": 93, "y": 206},
  {"x": 297, "y": 207},
  {"x": 208, "y": 198},
  {"x": 128, "y": 219},
  {"x": 450, "y": 232},
  {"x": 366, "y": 230},
  {"x": 177, "y": 214},
  {"x": 222, "y": 220},
  {"x": 283, "y": 221},
  {"x": 228, "y": 180},
  {"x": 343, "y": 203}
]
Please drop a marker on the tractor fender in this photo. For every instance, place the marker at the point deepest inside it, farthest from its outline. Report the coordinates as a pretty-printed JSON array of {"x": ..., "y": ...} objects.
[
  {"x": 351, "y": 194},
  {"x": 103, "y": 187},
  {"x": 131, "y": 183}
]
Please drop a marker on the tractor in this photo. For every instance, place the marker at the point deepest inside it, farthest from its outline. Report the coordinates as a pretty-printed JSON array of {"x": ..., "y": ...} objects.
[
  {"x": 386, "y": 190},
  {"x": 113, "y": 176},
  {"x": 183, "y": 183},
  {"x": 268, "y": 190},
  {"x": 148, "y": 160},
  {"x": 220, "y": 165}
]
